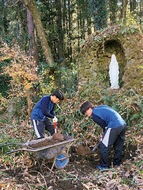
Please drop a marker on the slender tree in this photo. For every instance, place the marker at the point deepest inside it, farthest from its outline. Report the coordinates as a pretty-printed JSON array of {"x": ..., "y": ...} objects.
[
  {"x": 113, "y": 8},
  {"x": 141, "y": 12},
  {"x": 124, "y": 10},
  {"x": 60, "y": 31},
  {"x": 3, "y": 18},
  {"x": 32, "y": 43},
  {"x": 31, "y": 5}
]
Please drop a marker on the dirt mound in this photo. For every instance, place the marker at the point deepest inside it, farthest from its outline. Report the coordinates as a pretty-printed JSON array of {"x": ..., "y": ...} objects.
[
  {"x": 57, "y": 137},
  {"x": 83, "y": 150}
]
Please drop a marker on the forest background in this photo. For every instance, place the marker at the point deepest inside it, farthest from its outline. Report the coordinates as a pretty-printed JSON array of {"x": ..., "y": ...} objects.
[{"x": 40, "y": 42}]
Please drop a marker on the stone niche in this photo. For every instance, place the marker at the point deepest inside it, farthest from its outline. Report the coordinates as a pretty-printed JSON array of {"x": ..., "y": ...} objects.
[{"x": 95, "y": 57}]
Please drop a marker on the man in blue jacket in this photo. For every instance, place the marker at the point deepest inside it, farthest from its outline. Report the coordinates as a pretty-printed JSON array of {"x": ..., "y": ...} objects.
[
  {"x": 43, "y": 111},
  {"x": 114, "y": 128}
]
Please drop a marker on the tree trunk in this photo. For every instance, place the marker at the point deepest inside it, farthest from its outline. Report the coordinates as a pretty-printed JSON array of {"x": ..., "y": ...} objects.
[
  {"x": 113, "y": 10},
  {"x": 32, "y": 43},
  {"x": 3, "y": 18},
  {"x": 60, "y": 31},
  {"x": 31, "y": 5},
  {"x": 141, "y": 12},
  {"x": 124, "y": 10},
  {"x": 69, "y": 31}
]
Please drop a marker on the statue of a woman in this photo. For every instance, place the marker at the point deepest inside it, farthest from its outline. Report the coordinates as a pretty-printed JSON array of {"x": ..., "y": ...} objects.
[{"x": 114, "y": 73}]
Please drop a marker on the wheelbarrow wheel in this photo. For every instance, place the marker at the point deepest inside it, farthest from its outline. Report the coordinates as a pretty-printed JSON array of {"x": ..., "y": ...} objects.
[{"x": 61, "y": 160}]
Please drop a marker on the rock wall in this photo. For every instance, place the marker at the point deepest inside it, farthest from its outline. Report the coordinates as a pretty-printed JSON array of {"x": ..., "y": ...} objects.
[{"x": 95, "y": 56}]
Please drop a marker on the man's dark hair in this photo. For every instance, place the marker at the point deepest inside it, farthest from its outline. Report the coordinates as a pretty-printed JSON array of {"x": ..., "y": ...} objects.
[
  {"x": 58, "y": 94},
  {"x": 85, "y": 106}
]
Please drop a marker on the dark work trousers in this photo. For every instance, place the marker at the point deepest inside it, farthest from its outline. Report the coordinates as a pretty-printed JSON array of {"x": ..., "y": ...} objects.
[
  {"x": 112, "y": 137},
  {"x": 41, "y": 126}
]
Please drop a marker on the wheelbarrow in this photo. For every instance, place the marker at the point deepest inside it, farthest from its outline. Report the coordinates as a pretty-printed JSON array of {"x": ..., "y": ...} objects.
[{"x": 45, "y": 148}]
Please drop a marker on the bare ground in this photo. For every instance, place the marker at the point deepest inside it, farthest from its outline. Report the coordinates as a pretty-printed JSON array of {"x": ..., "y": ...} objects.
[{"x": 23, "y": 171}]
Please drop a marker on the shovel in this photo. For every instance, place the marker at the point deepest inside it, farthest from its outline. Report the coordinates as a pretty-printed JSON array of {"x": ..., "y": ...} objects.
[{"x": 95, "y": 147}]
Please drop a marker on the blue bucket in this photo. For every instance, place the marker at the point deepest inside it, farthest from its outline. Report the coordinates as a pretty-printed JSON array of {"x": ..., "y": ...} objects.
[{"x": 61, "y": 161}]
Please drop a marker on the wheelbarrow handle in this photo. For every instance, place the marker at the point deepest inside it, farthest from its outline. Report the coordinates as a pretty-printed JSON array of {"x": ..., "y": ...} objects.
[
  {"x": 12, "y": 151},
  {"x": 7, "y": 144},
  {"x": 30, "y": 149}
]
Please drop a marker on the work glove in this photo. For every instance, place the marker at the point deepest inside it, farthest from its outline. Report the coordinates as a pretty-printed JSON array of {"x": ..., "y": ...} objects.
[{"x": 55, "y": 120}]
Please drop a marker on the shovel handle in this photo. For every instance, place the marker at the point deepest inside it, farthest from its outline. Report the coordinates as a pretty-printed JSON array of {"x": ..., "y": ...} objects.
[
  {"x": 55, "y": 127},
  {"x": 95, "y": 147}
]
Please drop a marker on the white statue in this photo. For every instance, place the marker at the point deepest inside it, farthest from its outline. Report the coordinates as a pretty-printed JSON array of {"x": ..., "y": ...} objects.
[{"x": 114, "y": 73}]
